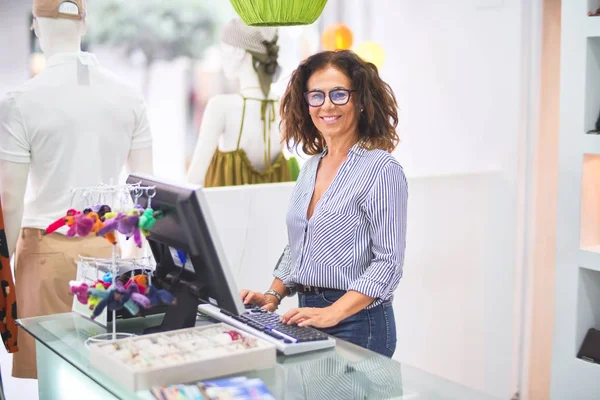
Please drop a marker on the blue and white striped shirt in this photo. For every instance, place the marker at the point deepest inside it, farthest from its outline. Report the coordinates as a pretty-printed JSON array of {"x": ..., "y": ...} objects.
[{"x": 356, "y": 237}]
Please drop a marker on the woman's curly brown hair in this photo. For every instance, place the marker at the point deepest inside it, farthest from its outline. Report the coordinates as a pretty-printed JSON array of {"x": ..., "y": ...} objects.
[{"x": 377, "y": 122}]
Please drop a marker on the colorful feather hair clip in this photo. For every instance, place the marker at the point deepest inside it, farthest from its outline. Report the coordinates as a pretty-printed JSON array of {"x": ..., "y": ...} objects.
[
  {"x": 80, "y": 290},
  {"x": 93, "y": 300},
  {"x": 118, "y": 297},
  {"x": 84, "y": 224},
  {"x": 124, "y": 223},
  {"x": 98, "y": 218},
  {"x": 148, "y": 220},
  {"x": 67, "y": 220}
]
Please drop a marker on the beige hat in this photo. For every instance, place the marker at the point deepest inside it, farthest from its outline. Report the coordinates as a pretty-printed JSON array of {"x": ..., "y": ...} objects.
[
  {"x": 237, "y": 34},
  {"x": 261, "y": 43},
  {"x": 71, "y": 9}
]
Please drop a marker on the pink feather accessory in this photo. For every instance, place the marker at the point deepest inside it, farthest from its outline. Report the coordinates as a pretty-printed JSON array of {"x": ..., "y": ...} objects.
[{"x": 80, "y": 290}]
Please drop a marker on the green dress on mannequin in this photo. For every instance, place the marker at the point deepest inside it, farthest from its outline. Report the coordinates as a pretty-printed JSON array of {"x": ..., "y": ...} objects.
[{"x": 233, "y": 168}]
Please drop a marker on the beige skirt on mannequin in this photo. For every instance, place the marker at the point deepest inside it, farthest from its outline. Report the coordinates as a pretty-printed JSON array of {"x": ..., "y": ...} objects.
[{"x": 44, "y": 265}]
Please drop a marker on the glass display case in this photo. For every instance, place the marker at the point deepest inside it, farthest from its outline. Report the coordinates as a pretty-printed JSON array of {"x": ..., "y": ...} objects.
[{"x": 345, "y": 372}]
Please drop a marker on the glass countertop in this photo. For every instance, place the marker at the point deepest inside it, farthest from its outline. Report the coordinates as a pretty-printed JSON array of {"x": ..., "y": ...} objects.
[{"x": 346, "y": 372}]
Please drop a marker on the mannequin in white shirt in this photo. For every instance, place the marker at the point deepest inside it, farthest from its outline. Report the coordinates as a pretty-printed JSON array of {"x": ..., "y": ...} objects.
[
  {"x": 221, "y": 122},
  {"x": 75, "y": 124},
  {"x": 55, "y": 36}
]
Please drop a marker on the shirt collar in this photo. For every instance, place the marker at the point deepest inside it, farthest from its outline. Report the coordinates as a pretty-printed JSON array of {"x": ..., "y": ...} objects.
[
  {"x": 69, "y": 58},
  {"x": 356, "y": 149}
]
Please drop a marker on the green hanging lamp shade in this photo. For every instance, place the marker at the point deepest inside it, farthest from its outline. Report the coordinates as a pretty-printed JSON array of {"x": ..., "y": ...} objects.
[{"x": 278, "y": 12}]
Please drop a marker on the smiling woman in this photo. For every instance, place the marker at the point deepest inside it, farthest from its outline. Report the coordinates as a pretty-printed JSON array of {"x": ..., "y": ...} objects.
[{"x": 347, "y": 215}]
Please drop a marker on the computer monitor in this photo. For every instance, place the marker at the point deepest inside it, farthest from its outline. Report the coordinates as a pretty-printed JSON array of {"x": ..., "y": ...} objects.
[{"x": 187, "y": 251}]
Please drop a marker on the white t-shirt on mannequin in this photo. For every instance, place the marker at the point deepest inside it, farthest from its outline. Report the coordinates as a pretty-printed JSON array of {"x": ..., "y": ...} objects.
[{"x": 75, "y": 124}]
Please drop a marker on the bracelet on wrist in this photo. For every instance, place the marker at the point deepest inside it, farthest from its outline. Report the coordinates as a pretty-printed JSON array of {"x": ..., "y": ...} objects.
[{"x": 274, "y": 294}]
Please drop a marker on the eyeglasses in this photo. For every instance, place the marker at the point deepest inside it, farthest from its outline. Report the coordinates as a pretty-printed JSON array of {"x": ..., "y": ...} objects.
[{"x": 339, "y": 97}]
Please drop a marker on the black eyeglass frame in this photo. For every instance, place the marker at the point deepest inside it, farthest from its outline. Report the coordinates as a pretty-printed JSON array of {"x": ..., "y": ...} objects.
[{"x": 328, "y": 94}]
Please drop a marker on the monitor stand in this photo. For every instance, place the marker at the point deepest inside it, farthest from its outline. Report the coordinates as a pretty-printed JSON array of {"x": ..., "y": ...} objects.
[{"x": 181, "y": 315}]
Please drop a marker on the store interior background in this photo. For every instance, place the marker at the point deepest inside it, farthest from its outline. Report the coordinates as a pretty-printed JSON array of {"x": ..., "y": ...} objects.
[{"x": 462, "y": 74}]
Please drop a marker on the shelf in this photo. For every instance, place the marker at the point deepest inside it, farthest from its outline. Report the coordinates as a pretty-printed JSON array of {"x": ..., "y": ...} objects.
[
  {"x": 592, "y": 27},
  {"x": 589, "y": 258},
  {"x": 593, "y": 23},
  {"x": 589, "y": 234},
  {"x": 583, "y": 382},
  {"x": 591, "y": 144},
  {"x": 588, "y": 304},
  {"x": 592, "y": 79},
  {"x": 587, "y": 367},
  {"x": 593, "y": 5},
  {"x": 577, "y": 285}
]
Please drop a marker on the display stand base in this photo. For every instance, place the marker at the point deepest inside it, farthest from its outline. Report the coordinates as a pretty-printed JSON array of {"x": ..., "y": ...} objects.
[{"x": 107, "y": 337}]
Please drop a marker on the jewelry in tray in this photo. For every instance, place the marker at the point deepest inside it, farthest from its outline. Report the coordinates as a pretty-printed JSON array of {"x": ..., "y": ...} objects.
[{"x": 177, "y": 347}]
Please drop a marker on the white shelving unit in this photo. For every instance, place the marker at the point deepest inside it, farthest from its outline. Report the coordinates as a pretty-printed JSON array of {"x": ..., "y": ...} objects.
[{"x": 577, "y": 295}]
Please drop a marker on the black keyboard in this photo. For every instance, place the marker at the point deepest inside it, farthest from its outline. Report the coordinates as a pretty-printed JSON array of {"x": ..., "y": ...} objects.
[
  {"x": 269, "y": 323},
  {"x": 288, "y": 339}
]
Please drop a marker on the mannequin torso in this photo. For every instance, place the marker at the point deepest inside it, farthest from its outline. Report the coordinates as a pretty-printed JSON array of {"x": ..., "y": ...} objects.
[
  {"x": 251, "y": 135},
  {"x": 222, "y": 121},
  {"x": 30, "y": 159},
  {"x": 59, "y": 36}
]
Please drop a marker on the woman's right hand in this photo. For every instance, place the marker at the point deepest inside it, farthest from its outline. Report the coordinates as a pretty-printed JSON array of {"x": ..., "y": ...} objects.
[{"x": 266, "y": 302}]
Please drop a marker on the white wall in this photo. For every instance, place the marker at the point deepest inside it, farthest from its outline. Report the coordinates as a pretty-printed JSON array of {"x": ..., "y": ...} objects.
[
  {"x": 14, "y": 52},
  {"x": 456, "y": 69}
]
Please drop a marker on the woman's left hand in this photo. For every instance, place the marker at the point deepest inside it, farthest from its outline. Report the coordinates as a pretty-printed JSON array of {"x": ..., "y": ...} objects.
[{"x": 316, "y": 317}]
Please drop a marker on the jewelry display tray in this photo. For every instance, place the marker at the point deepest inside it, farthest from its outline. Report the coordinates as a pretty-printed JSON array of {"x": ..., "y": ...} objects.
[{"x": 181, "y": 356}]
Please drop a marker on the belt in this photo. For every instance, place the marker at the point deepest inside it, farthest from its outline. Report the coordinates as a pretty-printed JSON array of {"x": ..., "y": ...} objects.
[{"x": 314, "y": 289}]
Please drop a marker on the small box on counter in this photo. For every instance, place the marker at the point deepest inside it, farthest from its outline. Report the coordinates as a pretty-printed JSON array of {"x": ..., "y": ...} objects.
[
  {"x": 181, "y": 356},
  {"x": 235, "y": 388}
]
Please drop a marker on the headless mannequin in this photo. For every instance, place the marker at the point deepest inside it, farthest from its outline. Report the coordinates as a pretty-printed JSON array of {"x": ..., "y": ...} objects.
[
  {"x": 56, "y": 36},
  {"x": 220, "y": 126}
]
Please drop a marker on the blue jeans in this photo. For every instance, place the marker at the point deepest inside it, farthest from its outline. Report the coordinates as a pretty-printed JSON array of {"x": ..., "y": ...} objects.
[{"x": 373, "y": 328}]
